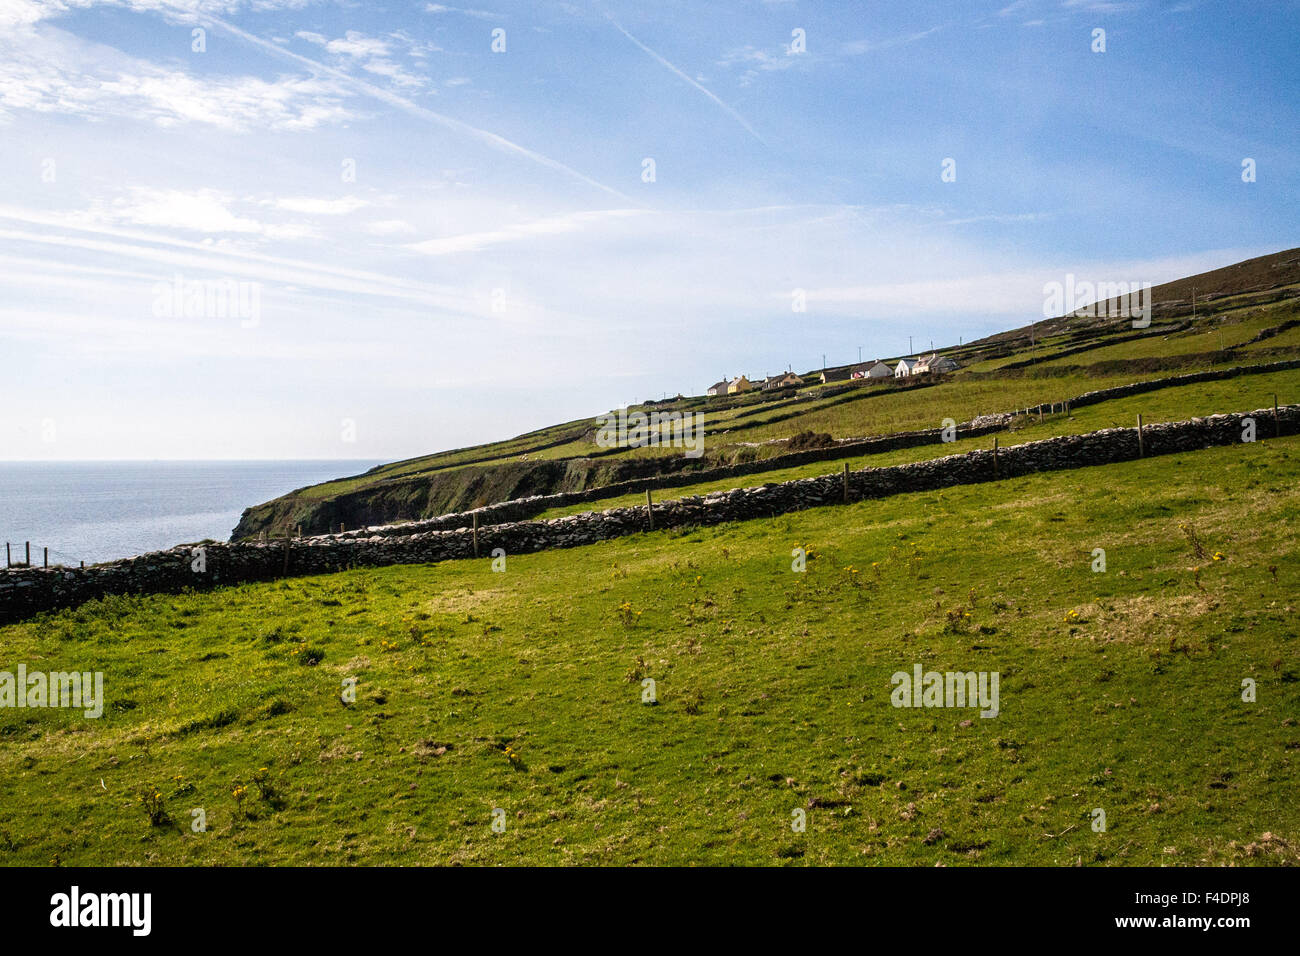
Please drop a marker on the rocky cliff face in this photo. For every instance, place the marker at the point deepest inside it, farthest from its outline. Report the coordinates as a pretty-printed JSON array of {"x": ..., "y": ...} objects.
[{"x": 518, "y": 490}]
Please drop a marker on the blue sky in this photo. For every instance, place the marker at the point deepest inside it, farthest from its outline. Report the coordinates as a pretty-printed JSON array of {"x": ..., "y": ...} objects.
[{"x": 499, "y": 262}]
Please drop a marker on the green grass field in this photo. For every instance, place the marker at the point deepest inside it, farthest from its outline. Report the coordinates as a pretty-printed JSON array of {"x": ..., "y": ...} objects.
[
  {"x": 499, "y": 718},
  {"x": 522, "y": 692}
]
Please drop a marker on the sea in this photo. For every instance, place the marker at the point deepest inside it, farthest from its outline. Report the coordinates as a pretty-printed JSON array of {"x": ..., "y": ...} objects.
[{"x": 103, "y": 510}]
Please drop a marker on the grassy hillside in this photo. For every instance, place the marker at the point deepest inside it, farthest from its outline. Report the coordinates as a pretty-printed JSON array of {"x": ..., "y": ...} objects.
[
  {"x": 521, "y": 691},
  {"x": 1172, "y": 404},
  {"x": 1248, "y": 313}
]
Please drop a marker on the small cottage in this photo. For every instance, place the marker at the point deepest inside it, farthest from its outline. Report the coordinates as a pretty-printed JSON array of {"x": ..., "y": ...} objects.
[
  {"x": 876, "y": 369},
  {"x": 738, "y": 385},
  {"x": 773, "y": 382}
]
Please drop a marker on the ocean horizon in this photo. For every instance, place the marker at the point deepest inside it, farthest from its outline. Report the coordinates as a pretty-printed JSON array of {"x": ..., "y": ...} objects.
[{"x": 95, "y": 511}]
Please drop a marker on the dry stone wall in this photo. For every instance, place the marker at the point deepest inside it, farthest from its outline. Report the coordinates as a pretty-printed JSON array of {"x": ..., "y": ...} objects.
[{"x": 24, "y": 592}]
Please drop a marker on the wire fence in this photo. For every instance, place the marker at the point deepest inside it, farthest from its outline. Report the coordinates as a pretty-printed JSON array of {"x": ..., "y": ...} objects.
[{"x": 26, "y": 555}]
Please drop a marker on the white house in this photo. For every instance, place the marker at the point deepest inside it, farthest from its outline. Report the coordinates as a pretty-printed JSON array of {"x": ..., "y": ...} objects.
[
  {"x": 904, "y": 368},
  {"x": 876, "y": 369}
]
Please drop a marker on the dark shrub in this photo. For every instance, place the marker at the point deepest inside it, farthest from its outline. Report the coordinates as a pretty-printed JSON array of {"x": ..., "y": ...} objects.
[{"x": 807, "y": 439}]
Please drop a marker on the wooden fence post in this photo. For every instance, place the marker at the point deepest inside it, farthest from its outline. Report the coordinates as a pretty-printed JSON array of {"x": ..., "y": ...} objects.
[
  {"x": 29, "y": 554},
  {"x": 45, "y": 562},
  {"x": 846, "y": 482},
  {"x": 1040, "y": 414},
  {"x": 1141, "y": 445},
  {"x": 475, "y": 533},
  {"x": 9, "y": 562},
  {"x": 650, "y": 509}
]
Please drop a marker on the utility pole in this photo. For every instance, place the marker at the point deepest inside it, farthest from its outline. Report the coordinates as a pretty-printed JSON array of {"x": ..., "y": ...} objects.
[
  {"x": 909, "y": 345},
  {"x": 859, "y": 354}
]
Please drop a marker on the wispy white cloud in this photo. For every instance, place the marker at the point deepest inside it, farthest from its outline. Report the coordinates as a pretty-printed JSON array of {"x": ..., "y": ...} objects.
[
  {"x": 18, "y": 13},
  {"x": 858, "y": 47},
  {"x": 35, "y": 74},
  {"x": 14, "y": 12},
  {"x": 758, "y": 61},
  {"x": 358, "y": 45},
  {"x": 316, "y": 206},
  {"x": 135, "y": 331},
  {"x": 998, "y": 218},
  {"x": 394, "y": 72},
  {"x": 87, "y": 231},
  {"x": 730, "y": 111},
  {"x": 1100, "y": 6},
  {"x": 46, "y": 70},
  {"x": 539, "y": 228},
  {"x": 414, "y": 109},
  {"x": 463, "y": 11},
  {"x": 206, "y": 211},
  {"x": 372, "y": 54}
]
